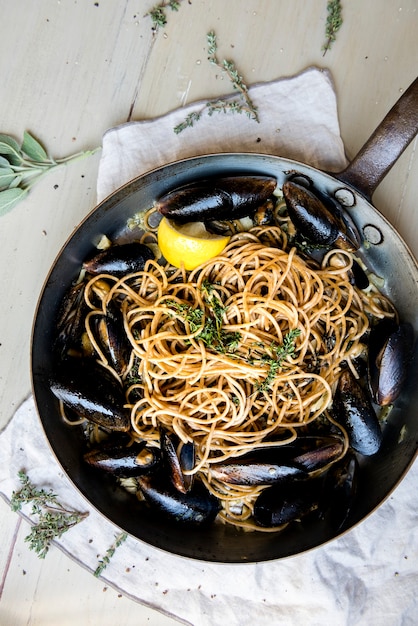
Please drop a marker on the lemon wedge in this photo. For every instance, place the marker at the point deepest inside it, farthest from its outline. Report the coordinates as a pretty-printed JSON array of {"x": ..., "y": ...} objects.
[{"x": 188, "y": 244}]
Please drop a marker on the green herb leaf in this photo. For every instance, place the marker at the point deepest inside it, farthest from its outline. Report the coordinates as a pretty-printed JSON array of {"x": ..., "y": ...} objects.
[
  {"x": 104, "y": 562},
  {"x": 7, "y": 177},
  {"x": 10, "y": 148},
  {"x": 9, "y": 198},
  {"x": 333, "y": 23},
  {"x": 243, "y": 104},
  {"x": 33, "y": 149},
  {"x": 53, "y": 519},
  {"x": 158, "y": 13},
  {"x": 276, "y": 356},
  {"x": 22, "y": 166}
]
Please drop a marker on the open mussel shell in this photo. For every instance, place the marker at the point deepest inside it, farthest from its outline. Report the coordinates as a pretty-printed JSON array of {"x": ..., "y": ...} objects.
[
  {"x": 287, "y": 502},
  {"x": 197, "y": 507},
  {"x": 275, "y": 464},
  {"x": 91, "y": 392},
  {"x": 339, "y": 491},
  {"x": 122, "y": 458},
  {"x": 112, "y": 337},
  {"x": 177, "y": 463}
]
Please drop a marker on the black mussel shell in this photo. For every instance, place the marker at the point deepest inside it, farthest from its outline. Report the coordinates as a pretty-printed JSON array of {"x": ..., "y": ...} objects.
[
  {"x": 390, "y": 352},
  {"x": 70, "y": 321},
  {"x": 218, "y": 199},
  {"x": 259, "y": 469},
  {"x": 197, "y": 507},
  {"x": 91, "y": 392},
  {"x": 313, "y": 219},
  {"x": 359, "y": 276},
  {"x": 122, "y": 458},
  {"x": 354, "y": 409},
  {"x": 173, "y": 462},
  {"x": 339, "y": 492},
  {"x": 113, "y": 338},
  {"x": 286, "y": 502},
  {"x": 119, "y": 260}
]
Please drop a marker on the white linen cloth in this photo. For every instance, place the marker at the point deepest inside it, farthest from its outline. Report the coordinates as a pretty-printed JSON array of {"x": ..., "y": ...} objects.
[{"x": 368, "y": 576}]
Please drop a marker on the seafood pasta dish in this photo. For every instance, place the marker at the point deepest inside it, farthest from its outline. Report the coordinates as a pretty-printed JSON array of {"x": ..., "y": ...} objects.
[{"x": 246, "y": 389}]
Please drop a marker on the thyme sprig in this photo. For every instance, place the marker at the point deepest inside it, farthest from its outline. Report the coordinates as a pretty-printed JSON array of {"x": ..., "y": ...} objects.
[
  {"x": 208, "y": 322},
  {"x": 104, "y": 562},
  {"x": 21, "y": 166},
  {"x": 158, "y": 13},
  {"x": 53, "y": 518},
  {"x": 333, "y": 23},
  {"x": 242, "y": 104},
  {"x": 276, "y": 356}
]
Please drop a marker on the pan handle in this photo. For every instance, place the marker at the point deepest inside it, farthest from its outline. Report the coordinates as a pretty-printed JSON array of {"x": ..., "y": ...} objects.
[{"x": 385, "y": 146}]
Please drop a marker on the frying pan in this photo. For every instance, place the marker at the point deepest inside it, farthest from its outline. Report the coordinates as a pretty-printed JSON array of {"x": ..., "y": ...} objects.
[{"x": 385, "y": 254}]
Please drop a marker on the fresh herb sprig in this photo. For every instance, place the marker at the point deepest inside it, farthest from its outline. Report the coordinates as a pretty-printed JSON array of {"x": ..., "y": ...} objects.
[
  {"x": 158, "y": 13},
  {"x": 21, "y": 166},
  {"x": 53, "y": 518},
  {"x": 278, "y": 353},
  {"x": 333, "y": 23},
  {"x": 242, "y": 104},
  {"x": 208, "y": 322},
  {"x": 104, "y": 562}
]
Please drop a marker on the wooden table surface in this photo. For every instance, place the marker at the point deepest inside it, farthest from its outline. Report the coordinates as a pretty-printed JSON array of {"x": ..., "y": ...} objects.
[{"x": 69, "y": 70}]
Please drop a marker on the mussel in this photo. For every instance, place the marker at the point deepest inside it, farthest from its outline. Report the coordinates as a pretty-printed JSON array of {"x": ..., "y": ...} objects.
[
  {"x": 197, "y": 507},
  {"x": 287, "y": 502},
  {"x": 119, "y": 260},
  {"x": 70, "y": 321},
  {"x": 228, "y": 198},
  {"x": 113, "y": 338},
  {"x": 390, "y": 351},
  {"x": 276, "y": 464},
  {"x": 122, "y": 458},
  {"x": 354, "y": 409},
  {"x": 91, "y": 392},
  {"x": 314, "y": 220},
  {"x": 175, "y": 463},
  {"x": 339, "y": 491}
]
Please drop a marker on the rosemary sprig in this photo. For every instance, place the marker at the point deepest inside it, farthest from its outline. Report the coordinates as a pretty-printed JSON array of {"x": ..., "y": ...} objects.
[
  {"x": 242, "y": 104},
  {"x": 53, "y": 518},
  {"x": 21, "y": 166},
  {"x": 333, "y": 23},
  {"x": 158, "y": 13},
  {"x": 104, "y": 562}
]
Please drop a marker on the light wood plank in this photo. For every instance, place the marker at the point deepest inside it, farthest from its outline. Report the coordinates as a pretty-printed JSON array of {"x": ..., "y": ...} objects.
[{"x": 36, "y": 589}]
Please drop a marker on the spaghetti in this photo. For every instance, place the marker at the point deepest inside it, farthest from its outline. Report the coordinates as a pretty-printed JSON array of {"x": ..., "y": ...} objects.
[{"x": 243, "y": 352}]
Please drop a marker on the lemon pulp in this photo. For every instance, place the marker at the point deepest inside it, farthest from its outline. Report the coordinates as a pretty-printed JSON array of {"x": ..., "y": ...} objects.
[{"x": 188, "y": 244}]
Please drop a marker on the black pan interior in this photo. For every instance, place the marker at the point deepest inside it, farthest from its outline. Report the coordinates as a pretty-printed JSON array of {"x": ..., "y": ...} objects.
[{"x": 388, "y": 256}]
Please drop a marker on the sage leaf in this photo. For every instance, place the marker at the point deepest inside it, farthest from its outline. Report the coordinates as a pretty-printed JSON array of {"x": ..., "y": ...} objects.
[
  {"x": 9, "y": 198},
  {"x": 10, "y": 147},
  {"x": 7, "y": 177},
  {"x": 4, "y": 162},
  {"x": 32, "y": 148}
]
